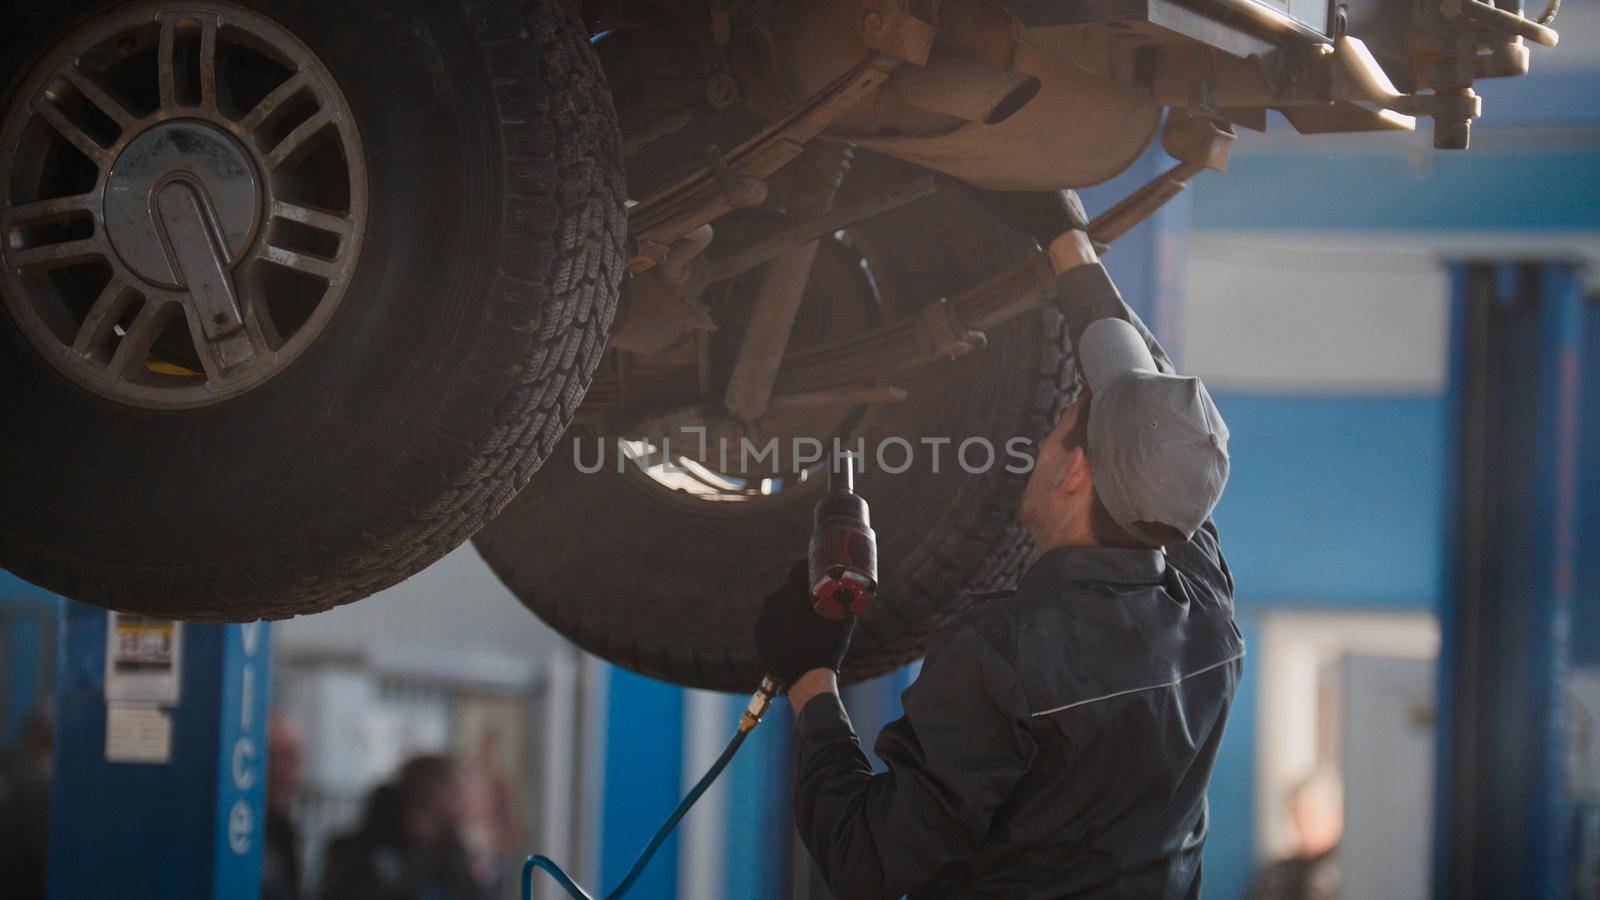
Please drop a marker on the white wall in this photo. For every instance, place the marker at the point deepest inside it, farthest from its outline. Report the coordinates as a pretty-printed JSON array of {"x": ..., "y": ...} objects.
[
  {"x": 453, "y": 619},
  {"x": 1334, "y": 313}
]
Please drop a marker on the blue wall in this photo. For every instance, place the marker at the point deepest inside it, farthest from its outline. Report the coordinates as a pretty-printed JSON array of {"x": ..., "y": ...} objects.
[
  {"x": 1339, "y": 501},
  {"x": 1332, "y": 501},
  {"x": 1507, "y": 183},
  {"x": 1534, "y": 166}
]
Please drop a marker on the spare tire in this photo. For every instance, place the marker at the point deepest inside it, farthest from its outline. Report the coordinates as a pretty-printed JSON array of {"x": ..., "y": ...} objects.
[
  {"x": 296, "y": 295},
  {"x": 667, "y": 583}
]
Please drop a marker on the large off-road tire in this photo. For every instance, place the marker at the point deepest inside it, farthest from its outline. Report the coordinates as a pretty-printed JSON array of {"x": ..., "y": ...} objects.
[
  {"x": 455, "y": 275},
  {"x": 669, "y": 586}
]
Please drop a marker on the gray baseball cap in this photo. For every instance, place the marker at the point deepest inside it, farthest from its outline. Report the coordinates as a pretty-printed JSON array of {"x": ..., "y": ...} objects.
[{"x": 1157, "y": 445}]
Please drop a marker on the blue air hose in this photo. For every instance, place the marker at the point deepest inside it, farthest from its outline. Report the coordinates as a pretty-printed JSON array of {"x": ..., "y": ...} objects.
[{"x": 747, "y": 722}]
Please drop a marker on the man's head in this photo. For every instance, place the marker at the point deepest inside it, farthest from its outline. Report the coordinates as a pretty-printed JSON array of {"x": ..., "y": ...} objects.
[
  {"x": 1060, "y": 507},
  {"x": 284, "y": 750},
  {"x": 38, "y": 740},
  {"x": 1138, "y": 460},
  {"x": 432, "y": 799},
  {"x": 1316, "y": 809}
]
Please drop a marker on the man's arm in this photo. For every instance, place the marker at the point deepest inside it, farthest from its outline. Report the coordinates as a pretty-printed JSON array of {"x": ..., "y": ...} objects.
[
  {"x": 1084, "y": 293},
  {"x": 810, "y": 685},
  {"x": 952, "y": 760}
]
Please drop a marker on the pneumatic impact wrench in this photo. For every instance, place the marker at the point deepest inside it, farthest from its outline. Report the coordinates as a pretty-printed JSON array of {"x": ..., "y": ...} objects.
[
  {"x": 842, "y": 565},
  {"x": 842, "y": 577},
  {"x": 844, "y": 549}
]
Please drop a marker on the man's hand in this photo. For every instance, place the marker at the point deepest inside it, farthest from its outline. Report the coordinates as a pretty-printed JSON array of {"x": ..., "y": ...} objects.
[
  {"x": 1055, "y": 219},
  {"x": 1041, "y": 215},
  {"x": 791, "y": 639},
  {"x": 812, "y": 684},
  {"x": 1071, "y": 250}
]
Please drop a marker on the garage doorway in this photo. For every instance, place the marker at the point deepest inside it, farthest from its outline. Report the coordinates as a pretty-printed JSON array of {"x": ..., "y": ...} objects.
[{"x": 1346, "y": 746}]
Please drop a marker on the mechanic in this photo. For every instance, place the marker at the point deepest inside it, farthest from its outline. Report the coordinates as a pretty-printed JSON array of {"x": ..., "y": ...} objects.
[{"x": 1060, "y": 737}]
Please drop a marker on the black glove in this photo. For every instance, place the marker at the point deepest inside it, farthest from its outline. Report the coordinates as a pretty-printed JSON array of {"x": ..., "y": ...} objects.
[
  {"x": 791, "y": 639},
  {"x": 1041, "y": 215}
]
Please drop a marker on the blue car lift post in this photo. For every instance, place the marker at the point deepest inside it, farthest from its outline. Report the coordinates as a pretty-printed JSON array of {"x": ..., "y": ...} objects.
[
  {"x": 1521, "y": 611},
  {"x": 189, "y": 824}
]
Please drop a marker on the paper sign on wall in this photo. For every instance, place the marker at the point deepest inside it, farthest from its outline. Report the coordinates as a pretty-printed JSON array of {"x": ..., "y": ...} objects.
[
  {"x": 143, "y": 662},
  {"x": 138, "y": 734},
  {"x": 142, "y": 659}
]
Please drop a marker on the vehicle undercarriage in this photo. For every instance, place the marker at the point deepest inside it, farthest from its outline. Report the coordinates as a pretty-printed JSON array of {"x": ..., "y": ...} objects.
[{"x": 298, "y": 300}]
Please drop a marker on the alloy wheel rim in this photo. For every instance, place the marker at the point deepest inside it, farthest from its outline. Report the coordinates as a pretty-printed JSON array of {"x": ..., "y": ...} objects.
[{"x": 184, "y": 206}]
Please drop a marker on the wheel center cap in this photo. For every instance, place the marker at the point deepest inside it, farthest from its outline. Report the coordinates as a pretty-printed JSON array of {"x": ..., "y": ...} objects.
[{"x": 182, "y": 204}]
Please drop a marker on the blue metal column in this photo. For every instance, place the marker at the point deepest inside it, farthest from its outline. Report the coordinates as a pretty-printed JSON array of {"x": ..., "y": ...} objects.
[
  {"x": 29, "y": 619},
  {"x": 759, "y": 814},
  {"x": 1504, "y": 812},
  {"x": 1586, "y": 615},
  {"x": 1585, "y": 634},
  {"x": 643, "y": 781},
  {"x": 189, "y": 826}
]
